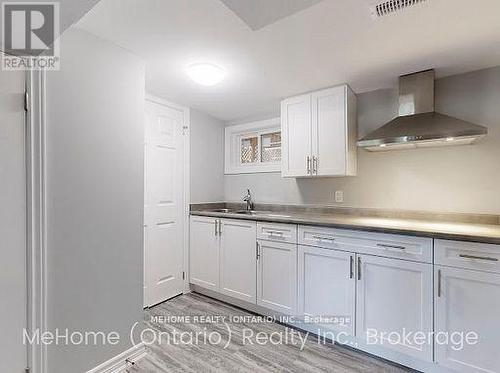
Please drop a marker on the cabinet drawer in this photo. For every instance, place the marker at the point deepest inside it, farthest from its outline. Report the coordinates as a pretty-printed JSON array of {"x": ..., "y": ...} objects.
[
  {"x": 418, "y": 249},
  {"x": 277, "y": 232},
  {"x": 471, "y": 255}
]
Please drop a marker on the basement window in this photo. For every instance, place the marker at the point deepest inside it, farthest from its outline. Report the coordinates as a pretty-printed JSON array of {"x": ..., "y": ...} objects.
[{"x": 253, "y": 147}]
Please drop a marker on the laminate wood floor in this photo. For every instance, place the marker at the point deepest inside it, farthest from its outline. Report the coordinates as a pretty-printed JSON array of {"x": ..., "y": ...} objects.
[{"x": 238, "y": 356}]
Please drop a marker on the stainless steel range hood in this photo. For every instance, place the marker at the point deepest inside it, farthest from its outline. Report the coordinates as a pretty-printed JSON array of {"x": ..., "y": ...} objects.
[{"x": 418, "y": 125}]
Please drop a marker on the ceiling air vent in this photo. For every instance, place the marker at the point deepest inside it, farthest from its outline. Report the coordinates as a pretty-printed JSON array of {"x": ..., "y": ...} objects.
[{"x": 391, "y": 6}]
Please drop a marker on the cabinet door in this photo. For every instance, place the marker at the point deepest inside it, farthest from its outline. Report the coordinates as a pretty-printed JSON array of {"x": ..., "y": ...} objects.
[
  {"x": 329, "y": 131},
  {"x": 238, "y": 270},
  {"x": 468, "y": 301},
  {"x": 277, "y": 276},
  {"x": 204, "y": 252},
  {"x": 394, "y": 296},
  {"x": 296, "y": 136},
  {"x": 327, "y": 287}
]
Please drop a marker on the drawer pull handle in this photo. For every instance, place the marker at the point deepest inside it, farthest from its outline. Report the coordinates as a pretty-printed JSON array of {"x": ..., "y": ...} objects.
[
  {"x": 319, "y": 238},
  {"x": 275, "y": 234},
  {"x": 490, "y": 259},
  {"x": 359, "y": 268},
  {"x": 386, "y": 246}
]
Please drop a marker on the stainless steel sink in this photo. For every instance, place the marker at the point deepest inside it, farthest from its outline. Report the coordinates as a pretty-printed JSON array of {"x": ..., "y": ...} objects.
[
  {"x": 251, "y": 213},
  {"x": 230, "y": 211},
  {"x": 221, "y": 210},
  {"x": 262, "y": 213},
  {"x": 244, "y": 212}
]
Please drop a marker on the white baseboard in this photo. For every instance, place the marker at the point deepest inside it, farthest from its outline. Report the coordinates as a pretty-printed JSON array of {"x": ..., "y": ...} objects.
[{"x": 118, "y": 364}]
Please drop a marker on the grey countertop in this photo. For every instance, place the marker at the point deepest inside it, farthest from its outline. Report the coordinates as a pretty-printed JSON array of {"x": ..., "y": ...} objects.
[{"x": 454, "y": 229}]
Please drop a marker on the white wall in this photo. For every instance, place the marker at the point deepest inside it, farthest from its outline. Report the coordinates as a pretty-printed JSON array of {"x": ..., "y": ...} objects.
[
  {"x": 207, "y": 158},
  {"x": 94, "y": 196},
  {"x": 12, "y": 222},
  {"x": 454, "y": 179}
]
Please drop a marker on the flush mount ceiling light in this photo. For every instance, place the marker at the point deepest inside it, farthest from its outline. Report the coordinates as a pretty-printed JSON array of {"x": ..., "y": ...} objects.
[{"x": 206, "y": 74}]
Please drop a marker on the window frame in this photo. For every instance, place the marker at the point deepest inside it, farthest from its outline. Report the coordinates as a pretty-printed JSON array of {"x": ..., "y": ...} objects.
[{"x": 232, "y": 146}]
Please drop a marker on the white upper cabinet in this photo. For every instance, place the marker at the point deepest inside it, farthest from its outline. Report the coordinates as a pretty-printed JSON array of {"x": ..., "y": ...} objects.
[
  {"x": 296, "y": 136},
  {"x": 319, "y": 134}
]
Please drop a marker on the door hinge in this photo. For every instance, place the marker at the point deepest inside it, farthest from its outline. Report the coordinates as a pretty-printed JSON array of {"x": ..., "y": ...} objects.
[{"x": 26, "y": 101}]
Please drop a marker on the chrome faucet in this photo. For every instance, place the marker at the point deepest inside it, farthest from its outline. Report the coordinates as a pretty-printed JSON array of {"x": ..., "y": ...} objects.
[{"x": 248, "y": 200}]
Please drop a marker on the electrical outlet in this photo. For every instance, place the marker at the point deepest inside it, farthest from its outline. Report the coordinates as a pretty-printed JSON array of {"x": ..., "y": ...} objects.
[{"x": 339, "y": 196}]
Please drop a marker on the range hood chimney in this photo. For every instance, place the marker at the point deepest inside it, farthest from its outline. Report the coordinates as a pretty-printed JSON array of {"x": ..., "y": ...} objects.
[{"x": 418, "y": 125}]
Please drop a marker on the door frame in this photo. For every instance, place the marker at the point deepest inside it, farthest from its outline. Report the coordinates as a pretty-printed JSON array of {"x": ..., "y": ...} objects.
[
  {"x": 34, "y": 270},
  {"x": 36, "y": 229},
  {"x": 186, "y": 195}
]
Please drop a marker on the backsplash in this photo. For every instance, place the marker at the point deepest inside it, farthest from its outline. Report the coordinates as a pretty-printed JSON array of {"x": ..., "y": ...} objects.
[{"x": 455, "y": 179}]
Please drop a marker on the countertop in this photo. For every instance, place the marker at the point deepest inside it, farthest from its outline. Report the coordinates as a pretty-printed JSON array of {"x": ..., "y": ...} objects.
[{"x": 451, "y": 230}]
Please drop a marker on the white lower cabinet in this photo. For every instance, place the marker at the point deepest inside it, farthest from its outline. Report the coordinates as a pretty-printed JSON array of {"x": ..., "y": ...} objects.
[
  {"x": 394, "y": 303},
  {"x": 327, "y": 288},
  {"x": 204, "y": 252},
  {"x": 238, "y": 259},
  {"x": 222, "y": 256},
  {"x": 467, "y": 301},
  {"x": 277, "y": 276},
  {"x": 394, "y": 296}
]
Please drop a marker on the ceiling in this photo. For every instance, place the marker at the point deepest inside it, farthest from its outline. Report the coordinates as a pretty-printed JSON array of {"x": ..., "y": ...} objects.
[
  {"x": 260, "y": 13},
  {"x": 328, "y": 43}
]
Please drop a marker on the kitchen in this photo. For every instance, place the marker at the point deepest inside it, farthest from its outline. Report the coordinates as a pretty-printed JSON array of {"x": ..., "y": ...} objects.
[{"x": 236, "y": 185}]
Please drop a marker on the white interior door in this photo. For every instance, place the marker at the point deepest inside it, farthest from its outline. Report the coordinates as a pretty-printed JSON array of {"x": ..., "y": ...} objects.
[
  {"x": 12, "y": 222},
  {"x": 163, "y": 203}
]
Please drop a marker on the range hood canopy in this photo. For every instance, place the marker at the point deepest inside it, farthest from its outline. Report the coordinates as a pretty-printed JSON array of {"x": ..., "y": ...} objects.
[{"x": 418, "y": 125}]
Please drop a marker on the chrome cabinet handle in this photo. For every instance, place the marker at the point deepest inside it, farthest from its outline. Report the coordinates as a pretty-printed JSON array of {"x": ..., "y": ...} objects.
[
  {"x": 359, "y": 268},
  {"x": 275, "y": 233},
  {"x": 257, "y": 251},
  {"x": 220, "y": 227},
  {"x": 351, "y": 268},
  {"x": 439, "y": 283},
  {"x": 320, "y": 238},
  {"x": 308, "y": 161},
  {"x": 315, "y": 165},
  {"x": 488, "y": 258},
  {"x": 387, "y": 246},
  {"x": 216, "y": 222}
]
